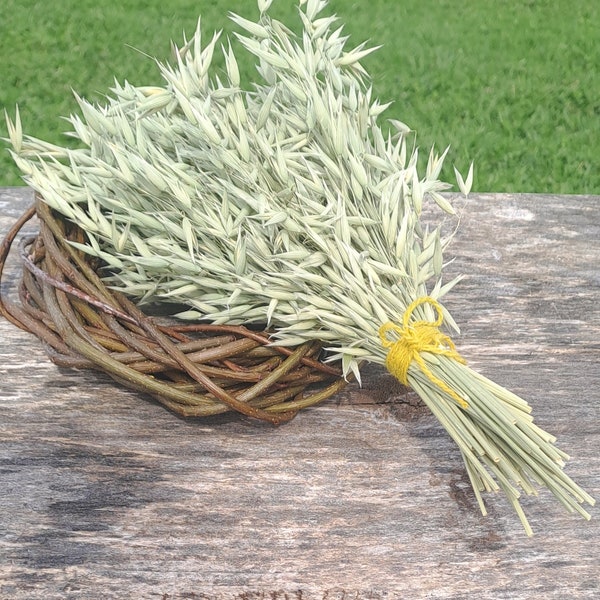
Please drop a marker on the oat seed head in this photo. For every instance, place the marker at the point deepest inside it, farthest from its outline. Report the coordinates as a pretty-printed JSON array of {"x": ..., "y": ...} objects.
[{"x": 244, "y": 204}]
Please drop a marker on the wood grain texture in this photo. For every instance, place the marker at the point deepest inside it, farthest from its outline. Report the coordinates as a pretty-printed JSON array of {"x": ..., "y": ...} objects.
[{"x": 104, "y": 494}]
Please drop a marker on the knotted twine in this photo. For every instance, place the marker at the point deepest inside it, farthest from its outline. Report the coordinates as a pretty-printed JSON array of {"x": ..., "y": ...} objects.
[{"x": 410, "y": 340}]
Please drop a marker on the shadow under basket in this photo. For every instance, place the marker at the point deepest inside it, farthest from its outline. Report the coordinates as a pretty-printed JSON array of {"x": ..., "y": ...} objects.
[{"x": 194, "y": 369}]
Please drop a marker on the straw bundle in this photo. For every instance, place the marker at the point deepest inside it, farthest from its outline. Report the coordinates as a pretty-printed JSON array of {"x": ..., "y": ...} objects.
[{"x": 286, "y": 205}]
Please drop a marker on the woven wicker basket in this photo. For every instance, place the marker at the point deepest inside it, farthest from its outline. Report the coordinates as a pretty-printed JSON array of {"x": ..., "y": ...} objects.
[{"x": 195, "y": 370}]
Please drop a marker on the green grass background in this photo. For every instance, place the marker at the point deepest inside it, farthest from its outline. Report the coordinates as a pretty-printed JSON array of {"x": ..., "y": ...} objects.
[{"x": 513, "y": 85}]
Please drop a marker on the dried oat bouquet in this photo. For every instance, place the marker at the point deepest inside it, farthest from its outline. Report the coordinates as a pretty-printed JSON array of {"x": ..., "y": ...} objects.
[{"x": 284, "y": 203}]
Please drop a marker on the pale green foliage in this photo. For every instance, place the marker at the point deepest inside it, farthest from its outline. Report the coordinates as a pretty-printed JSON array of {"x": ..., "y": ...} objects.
[{"x": 283, "y": 204}]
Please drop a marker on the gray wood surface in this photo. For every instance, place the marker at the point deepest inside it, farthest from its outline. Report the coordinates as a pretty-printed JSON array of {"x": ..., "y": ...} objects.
[{"x": 104, "y": 494}]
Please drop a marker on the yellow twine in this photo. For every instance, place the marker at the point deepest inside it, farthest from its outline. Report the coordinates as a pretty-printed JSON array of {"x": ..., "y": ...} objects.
[{"x": 411, "y": 339}]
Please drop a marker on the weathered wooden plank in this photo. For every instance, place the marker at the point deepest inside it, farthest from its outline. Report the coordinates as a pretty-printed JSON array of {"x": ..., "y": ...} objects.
[{"x": 104, "y": 494}]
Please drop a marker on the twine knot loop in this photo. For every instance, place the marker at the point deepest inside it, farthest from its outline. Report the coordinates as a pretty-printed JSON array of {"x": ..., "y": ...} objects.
[{"x": 410, "y": 339}]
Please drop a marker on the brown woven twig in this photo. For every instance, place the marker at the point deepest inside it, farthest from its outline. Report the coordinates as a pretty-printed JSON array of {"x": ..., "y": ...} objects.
[{"x": 194, "y": 370}]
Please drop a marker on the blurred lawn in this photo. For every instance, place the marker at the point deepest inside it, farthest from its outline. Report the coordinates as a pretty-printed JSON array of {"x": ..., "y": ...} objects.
[{"x": 512, "y": 84}]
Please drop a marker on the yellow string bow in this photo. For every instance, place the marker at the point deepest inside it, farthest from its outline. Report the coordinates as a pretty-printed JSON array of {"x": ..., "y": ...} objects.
[{"x": 411, "y": 339}]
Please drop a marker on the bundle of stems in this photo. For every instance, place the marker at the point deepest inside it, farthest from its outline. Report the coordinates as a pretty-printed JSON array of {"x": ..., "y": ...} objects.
[{"x": 286, "y": 203}]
